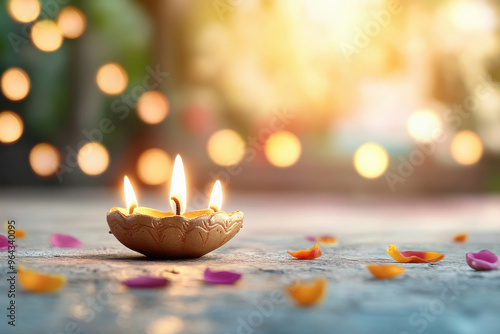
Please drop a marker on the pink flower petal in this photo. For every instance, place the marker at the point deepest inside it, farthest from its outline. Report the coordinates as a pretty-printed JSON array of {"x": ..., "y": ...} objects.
[
  {"x": 484, "y": 260},
  {"x": 145, "y": 282},
  {"x": 310, "y": 238},
  {"x": 64, "y": 241},
  {"x": 220, "y": 277},
  {"x": 4, "y": 243}
]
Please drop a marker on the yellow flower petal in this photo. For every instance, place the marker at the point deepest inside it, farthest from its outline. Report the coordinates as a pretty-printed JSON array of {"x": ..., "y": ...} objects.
[
  {"x": 308, "y": 293},
  {"x": 19, "y": 233},
  {"x": 460, "y": 237},
  {"x": 37, "y": 281},
  {"x": 385, "y": 271},
  {"x": 414, "y": 256}
]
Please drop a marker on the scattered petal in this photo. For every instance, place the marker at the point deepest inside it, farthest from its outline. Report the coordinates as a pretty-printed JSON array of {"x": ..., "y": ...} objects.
[
  {"x": 460, "y": 237},
  {"x": 385, "y": 271},
  {"x": 64, "y": 241},
  {"x": 413, "y": 256},
  {"x": 220, "y": 277},
  {"x": 307, "y": 254},
  {"x": 18, "y": 233},
  {"x": 145, "y": 282},
  {"x": 310, "y": 238},
  {"x": 38, "y": 281},
  {"x": 308, "y": 293},
  {"x": 484, "y": 260},
  {"x": 327, "y": 239},
  {"x": 4, "y": 243}
]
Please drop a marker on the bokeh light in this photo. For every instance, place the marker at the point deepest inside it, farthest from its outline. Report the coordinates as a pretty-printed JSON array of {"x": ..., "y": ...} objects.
[
  {"x": 283, "y": 149},
  {"x": 424, "y": 125},
  {"x": 72, "y": 22},
  {"x": 226, "y": 147},
  {"x": 46, "y": 35},
  {"x": 472, "y": 16},
  {"x": 11, "y": 127},
  {"x": 152, "y": 107},
  {"x": 93, "y": 158},
  {"x": 44, "y": 159},
  {"x": 112, "y": 79},
  {"x": 15, "y": 84},
  {"x": 466, "y": 148},
  {"x": 24, "y": 10},
  {"x": 154, "y": 166},
  {"x": 371, "y": 160}
]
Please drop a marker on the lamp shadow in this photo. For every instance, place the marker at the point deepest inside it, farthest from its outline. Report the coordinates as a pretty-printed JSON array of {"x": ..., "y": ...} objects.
[{"x": 142, "y": 258}]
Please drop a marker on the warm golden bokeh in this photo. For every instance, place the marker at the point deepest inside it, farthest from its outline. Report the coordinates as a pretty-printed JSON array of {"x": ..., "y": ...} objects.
[
  {"x": 283, "y": 149},
  {"x": 152, "y": 107},
  {"x": 24, "y": 11},
  {"x": 371, "y": 160},
  {"x": 44, "y": 159},
  {"x": 11, "y": 127},
  {"x": 226, "y": 147},
  {"x": 72, "y": 22},
  {"x": 46, "y": 36},
  {"x": 15, "y": 84},
  {"x": 112, "y": 79},
  {"x": 154, "y": 166},
  {"x": 93, "y": 158},
  {"x": 424, "y": 125},
  {"x": 466, "y": 148}
]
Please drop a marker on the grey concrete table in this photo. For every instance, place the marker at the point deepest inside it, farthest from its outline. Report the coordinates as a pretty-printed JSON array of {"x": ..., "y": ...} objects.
[{"x": 447, "y": 297}]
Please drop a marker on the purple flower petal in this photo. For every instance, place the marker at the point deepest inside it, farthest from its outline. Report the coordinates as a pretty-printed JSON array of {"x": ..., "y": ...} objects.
[
  {"x": 145, "y": 282},
  {"x": 220, "y": 277},
  {"x": 64, "y": 241},
  {"x": 310, "y": 238},
  {"x": 4, "y": 243},
  {"x": 484, "y": 260}
]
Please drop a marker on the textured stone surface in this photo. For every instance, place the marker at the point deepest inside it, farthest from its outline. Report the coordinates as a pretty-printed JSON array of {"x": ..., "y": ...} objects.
[{"x": 447, "y": 297}]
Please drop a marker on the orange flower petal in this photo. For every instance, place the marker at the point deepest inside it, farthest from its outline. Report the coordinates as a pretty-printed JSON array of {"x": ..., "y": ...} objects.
[
  {"x": 460, "y": 237},
  {"x": 19, "y": 233},
  {"x": 308, "y": 293},
  {"x": 413, "y": 256},
  {"x": 327, "y": 239},
  {"x": 37, "y": 281},
  {"x": 307, "y": 254},
  {"x": 385, "y": 271}
]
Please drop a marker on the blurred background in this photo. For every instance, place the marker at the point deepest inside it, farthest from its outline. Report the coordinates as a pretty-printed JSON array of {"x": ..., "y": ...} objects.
[{"x": 365, "y": 96}]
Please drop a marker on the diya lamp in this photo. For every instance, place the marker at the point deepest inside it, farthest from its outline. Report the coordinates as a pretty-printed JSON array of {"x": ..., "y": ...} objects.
[{"x": 175, "y": 234}]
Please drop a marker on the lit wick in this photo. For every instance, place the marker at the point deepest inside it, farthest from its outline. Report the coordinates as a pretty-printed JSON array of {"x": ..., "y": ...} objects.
[
  {"x": 178, "y": 188},
  {"x": 216, "y": 197},
  {"x": 177, "y": 205},
  {"x": 130, "y": 198},
  {"x": 132, "y": 208}
]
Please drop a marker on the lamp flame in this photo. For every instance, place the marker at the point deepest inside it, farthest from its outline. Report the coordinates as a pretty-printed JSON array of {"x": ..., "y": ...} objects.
[
  {"x": 178, "y": 187},
  {"x": 216, "y": 197},
  {"x": 129, "y": 195}
]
